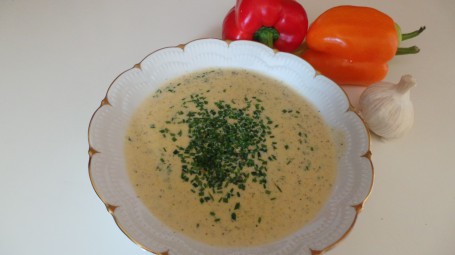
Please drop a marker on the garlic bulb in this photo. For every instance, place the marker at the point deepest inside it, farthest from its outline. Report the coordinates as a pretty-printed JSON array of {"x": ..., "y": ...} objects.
[{"x": 387, "y": 108}]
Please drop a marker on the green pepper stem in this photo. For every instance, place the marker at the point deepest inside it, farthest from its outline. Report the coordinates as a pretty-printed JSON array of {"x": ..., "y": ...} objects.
[
  {"x": 408, "y": 50},
  {"x": 412, "y": 34},
  {"x": 266, "y": 35}
]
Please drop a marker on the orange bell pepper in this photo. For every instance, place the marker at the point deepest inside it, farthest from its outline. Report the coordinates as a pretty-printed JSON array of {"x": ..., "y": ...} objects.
[{"x": 352, "y": 44}]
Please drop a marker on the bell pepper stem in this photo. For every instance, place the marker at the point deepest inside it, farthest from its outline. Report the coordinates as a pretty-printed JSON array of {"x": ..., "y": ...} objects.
[
  {"x": 408, "y": 50},
  {"x": 406, "y": 36},
  {"x": 412, "y": 34},
  {"x": 266, "y": 35}
]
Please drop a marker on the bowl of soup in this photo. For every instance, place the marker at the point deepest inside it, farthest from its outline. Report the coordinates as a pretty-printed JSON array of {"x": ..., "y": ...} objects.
[{"x": 217, "y": 147}]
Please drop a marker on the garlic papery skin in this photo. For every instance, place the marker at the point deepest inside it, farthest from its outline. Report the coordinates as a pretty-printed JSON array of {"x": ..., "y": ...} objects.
[{"x": 387, "y": 108}]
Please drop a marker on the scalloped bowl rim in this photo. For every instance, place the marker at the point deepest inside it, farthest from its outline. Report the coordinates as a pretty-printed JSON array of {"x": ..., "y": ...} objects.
[{"x": 106, "y": 164}]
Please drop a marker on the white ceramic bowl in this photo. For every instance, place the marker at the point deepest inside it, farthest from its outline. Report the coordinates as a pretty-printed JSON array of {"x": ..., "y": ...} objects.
[{"x": 107, "y": 163}]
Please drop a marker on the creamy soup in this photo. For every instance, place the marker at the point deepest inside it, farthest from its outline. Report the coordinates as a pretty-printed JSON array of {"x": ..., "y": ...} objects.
[{"x": 230, "y": 157}]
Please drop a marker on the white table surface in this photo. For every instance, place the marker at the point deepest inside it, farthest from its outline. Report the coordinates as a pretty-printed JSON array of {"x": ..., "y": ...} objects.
[{"x": 57, "y": 59}]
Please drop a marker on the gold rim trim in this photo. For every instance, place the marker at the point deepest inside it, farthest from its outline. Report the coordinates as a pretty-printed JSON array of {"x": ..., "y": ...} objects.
[
  {"x": 138, "y": 66},
  {"x": 92, "y": 151},
  {"x": 111, "y": 208},
  {"x": 358, "y": 208},
  {"x": 134, "y": 240},
  {"x": 331, "y": 246},
  {"x": 105, "y": 101}
]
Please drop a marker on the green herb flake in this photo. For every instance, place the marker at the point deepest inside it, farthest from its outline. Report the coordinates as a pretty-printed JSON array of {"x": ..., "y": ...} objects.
[
  {"x": 226, "y": 142},
  {"x": 278, "y": 187}
]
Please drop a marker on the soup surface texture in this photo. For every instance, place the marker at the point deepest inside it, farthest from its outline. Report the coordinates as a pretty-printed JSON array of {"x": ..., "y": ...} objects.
[{"x": 230, "y": 157}]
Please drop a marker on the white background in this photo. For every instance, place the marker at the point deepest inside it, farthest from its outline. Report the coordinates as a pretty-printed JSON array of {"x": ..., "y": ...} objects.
[{"x": 57, "y": 59}]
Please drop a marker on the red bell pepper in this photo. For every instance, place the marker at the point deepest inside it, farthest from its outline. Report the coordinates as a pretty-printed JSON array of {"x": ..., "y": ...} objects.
[{"x": 280, "y": 24}]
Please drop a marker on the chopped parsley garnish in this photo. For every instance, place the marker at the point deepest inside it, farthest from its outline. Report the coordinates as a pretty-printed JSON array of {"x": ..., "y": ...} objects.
[{"x": 228, "y": 146}]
